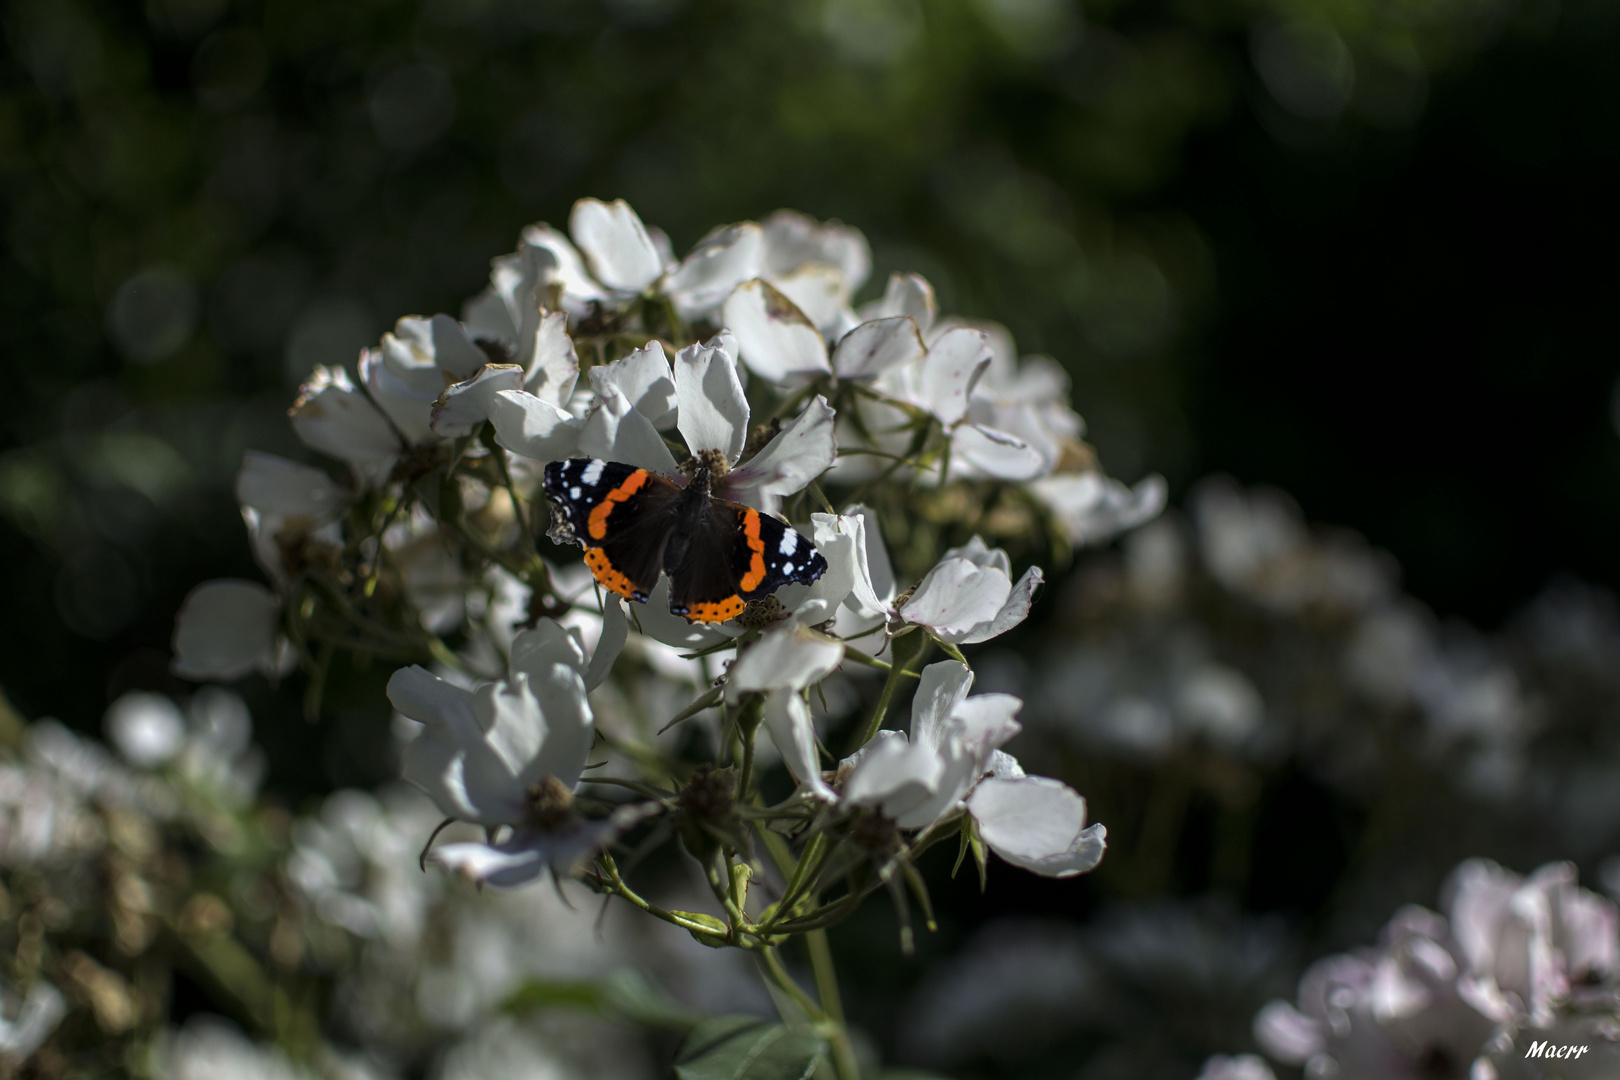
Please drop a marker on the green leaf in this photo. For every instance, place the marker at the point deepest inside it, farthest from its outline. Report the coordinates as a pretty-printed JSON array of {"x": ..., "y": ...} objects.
[
  {"x": 625, "y": 993},
  {"x": 747, "y": 1048}
]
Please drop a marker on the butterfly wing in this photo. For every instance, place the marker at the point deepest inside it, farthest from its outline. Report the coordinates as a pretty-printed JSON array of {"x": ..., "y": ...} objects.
[
  {"x": 738, "y": 554},
  {"x": 621, "y": 514}
]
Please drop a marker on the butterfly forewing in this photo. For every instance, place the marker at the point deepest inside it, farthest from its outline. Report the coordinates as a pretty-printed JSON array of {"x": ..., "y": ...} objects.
[{"x": 622, "y": 516}]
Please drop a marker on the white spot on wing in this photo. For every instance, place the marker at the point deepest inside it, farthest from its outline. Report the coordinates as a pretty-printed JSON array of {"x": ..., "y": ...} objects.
[
  {"x": 573, "y": 492},
  {"x": 790, "y": 541},
  {"x": 593, "y": 473}
]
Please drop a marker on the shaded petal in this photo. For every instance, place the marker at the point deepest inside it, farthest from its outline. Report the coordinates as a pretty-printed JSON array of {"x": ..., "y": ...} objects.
[
  {"x": 1038, "y": 824},
  {"x": 615, "y": 632},
  {"x": 274, "y": 485},
  {"x": 616, "y": 246},
  {"x": 465, "y": 405},
  {"x": 422, "y": 351},
  {"x": 569, "y": 726},
  {"x": 977, "y": 552},
  {"x": 1090, "y": 508},
  {"x": 776, "y": 339},
  {"x": 553, "y": 366},
  {"x": 1013, "y": 612},
  {"x": 615, "y": 431},
  {"x": 876, "y": 347},
  {"x": 713, "y": 408},
  {"x": 534, "y": 651},
  {"x": 1288, "y": 1034},
  {"x": 943, "y": 382},
  {"x": 790, "y": 657},
  {"x": 718, "y": 263},
  {"x": 532, "y": 427},
  {"x": 407, "y": 403},
  {"x": 507, "y": 865},
  {"x": 450, "y": 760},
  {"x": 977, "y": 450},
  {"x": 799, "y": 453},
  {"x": 333, "y": 417},
  {"x": 226, "y": 629},
  {"x": 787, "y": 718},
  {"x": 956, "y": 597},
  {"x": 940, "y": 689},
  {"x": 643, "y": 376}
]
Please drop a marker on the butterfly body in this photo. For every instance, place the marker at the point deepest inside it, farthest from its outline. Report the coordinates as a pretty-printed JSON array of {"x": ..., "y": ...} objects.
[{"x": 634, "y": 524}]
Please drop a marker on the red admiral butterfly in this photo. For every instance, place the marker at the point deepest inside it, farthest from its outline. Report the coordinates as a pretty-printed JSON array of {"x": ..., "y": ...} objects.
[{"x": 719, "y": 555}]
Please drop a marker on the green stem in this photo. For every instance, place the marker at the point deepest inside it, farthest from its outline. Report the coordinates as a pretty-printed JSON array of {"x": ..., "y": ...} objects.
[
  {"x": 784, "y": 982},
  {"x": 821, "y": 964}
]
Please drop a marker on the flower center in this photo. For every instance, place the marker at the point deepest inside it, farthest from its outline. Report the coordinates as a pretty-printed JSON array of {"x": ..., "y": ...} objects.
[
  {"x": 710, "y": 794},
  {"x": 547, "y": 804}
]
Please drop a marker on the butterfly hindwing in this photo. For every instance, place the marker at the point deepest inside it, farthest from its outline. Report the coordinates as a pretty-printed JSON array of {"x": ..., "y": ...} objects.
[{"x": 622, "y": 516}]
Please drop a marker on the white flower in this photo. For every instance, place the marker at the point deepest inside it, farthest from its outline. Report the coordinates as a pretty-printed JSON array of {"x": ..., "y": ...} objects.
[
  {"x": 859, "y": 579},
  {"x": 227, "y": 629},
  {"x": 509, "y": 753},
  {"x": 207, "y": 1048},
  {"x": 788, "y": 657},
  {"x": 1090, "y": 508},
  {"x": 1529, "y": 942},
  {"x": 1038, "y": 824},
  {"x": 148, "y": 729},
  {"x": 28, "y": 1018},
  {"x": 969, "y": 595},
  {"x": 334, "y": 417},
  {"x": 289, "y": 510},
  {"x": 508, "y": 321}
]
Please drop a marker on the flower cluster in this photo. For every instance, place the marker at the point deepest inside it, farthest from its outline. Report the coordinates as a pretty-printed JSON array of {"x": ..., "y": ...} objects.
[
  {"x": 1514, "y": 961},
  {"x": 745, "y": 383}
]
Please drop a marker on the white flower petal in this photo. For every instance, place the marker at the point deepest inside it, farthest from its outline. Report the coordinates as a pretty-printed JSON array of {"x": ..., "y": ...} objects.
[
  {"x": 793, "y": 239},
  {"x": 615, "y": 431},
  {"x": 508, "y": 310},
  {"x": 713, "y": 409},
  {"x": 984, "y": 451},
  {"x": 906, "y": 294},
  {"x": 719, "y": 263},
  {"x": 535, "y": 651},
  {"x": 615, "y": 632},
  {"x": 800, "y": 452},
  {"x": 227, "y": 629},
  {"x": 841, "y": 539},
  {"x": 790, "y": 657},
  {"x": 940, "y": 689},
  {"x": 787, "y": 718},
  {"x": 1090, "y": 508},
  {"x": 1011, "y": 613},
  {"x": 506, "y": 865},
  {"x": 877, "y": 347},
  {"x": 1288, "y": 1034},
  {"x": 274, "y": 485},
  {"x": 569, "y": 269},
  {"x": 422, "y": 351},
  {"x": 552, "y": 365},
  {"x": 408, "y": 403},
  {"x": 533, "y": 428},
  {"x": 569, "y": 726},
  {"x": 450, "y": 760},
  {"x": 977, "y": 552},
  {"x": 333, "y": 417},
  {"x": 465, "y": 405},
  {"x": 956, "y": 597},
  {"x": 943, "y": 380},
  {"x": 777, "y": 341},
  {"x": 817, "y": 290},
  {"x": 1037, "y": 823},
  {"x": 893, "y": 774},
  {"x": 616, "y": 246},
  {"x": 643, "y": 376}
]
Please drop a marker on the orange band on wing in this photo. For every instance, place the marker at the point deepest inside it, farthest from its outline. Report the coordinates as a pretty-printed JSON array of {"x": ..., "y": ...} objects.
[
  {"x": 602, "y": 570},
  {"x": 719, "y": 611},
  {"x": 755, "y": 576},
  {"x": 597, "y": 523}
]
